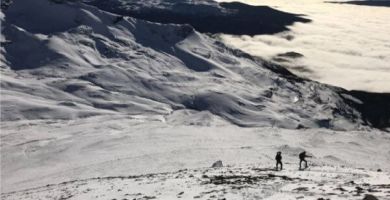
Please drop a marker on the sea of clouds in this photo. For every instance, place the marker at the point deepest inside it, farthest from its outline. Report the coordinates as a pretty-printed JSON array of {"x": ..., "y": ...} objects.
[{"x": 345, "y": 45}]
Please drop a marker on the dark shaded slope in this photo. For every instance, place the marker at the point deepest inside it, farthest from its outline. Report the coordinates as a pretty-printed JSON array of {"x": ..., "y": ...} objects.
[
  {"x": 230, "y": 18},
  {"x": 375, "y": 108}
]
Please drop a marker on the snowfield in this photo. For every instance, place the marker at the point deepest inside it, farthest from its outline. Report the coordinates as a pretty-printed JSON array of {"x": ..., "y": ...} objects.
[
  {"x": 96, "y": 105},
  {"x": 119, "y": 149},
  {"x": 225, "y": 183}
]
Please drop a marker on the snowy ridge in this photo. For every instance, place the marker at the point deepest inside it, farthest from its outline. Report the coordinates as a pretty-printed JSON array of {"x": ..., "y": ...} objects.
[{"x": 79, "y": 61}]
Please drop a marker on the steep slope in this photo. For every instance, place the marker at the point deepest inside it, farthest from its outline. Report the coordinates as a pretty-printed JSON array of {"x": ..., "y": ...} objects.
[{"x": 71, "y": 60}]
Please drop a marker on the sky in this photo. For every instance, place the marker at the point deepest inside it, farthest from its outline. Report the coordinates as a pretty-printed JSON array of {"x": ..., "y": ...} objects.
[{"x": 345, "y": 45}]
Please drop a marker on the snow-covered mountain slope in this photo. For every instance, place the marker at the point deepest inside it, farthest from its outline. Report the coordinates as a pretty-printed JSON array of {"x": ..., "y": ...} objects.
[
  {"x": 86, "y": 93},
  {"x": 205, "y": 15},
  {"x": 70, "y": 60}
]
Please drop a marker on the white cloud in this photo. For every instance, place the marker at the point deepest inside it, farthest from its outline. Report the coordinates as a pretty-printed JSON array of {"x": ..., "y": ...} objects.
[{"x": 345, "y": 45}]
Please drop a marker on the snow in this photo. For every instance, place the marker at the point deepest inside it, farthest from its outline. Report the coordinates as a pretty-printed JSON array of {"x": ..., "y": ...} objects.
[
  {"x": 98, "y": 65},
  {"x": 41, "y": 152},
  {"x": 91, "y": 94},
  {"x": 242, "y": 182}
]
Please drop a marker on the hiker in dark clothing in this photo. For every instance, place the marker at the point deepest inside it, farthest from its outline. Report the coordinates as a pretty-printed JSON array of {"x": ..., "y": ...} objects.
[
  {"x": 278, "y": 159},
  {"x": 302, "y": 157}
]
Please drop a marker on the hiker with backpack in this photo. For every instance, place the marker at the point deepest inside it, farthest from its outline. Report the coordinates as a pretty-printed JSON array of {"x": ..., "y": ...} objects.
[
  {"x": 302, "y": 157},
  {"x": 278, "y": 159}
]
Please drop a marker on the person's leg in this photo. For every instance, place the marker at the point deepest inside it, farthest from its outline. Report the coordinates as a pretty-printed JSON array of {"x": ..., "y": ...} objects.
[
  {"x": 300, "y": 163},
  {"x": 305, "y": 164},
  {"x": 276, "y": 166}
]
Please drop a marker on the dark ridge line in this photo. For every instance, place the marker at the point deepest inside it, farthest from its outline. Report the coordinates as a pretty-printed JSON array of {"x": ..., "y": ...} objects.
[
  {"x": 375, "y": 3},
  {"x": 242, "y": 20}
]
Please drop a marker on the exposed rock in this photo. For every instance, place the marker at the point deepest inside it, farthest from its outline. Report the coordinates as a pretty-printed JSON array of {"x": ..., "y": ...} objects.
[
  {"x": 217, "y": 164},
  {"x": 290, "y": 54},
  {"x": 370, "y": 197}
]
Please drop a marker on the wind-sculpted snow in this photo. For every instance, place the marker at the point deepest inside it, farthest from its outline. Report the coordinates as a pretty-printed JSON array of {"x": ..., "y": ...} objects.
[{"x": 71, "y": 60}]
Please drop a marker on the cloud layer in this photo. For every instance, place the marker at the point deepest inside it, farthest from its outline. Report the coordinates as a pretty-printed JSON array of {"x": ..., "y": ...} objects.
[{"x": 345, "y": 45}]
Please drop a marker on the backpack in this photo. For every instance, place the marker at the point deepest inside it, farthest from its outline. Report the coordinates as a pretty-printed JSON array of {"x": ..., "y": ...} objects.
[{"x": 302, "y": 155}]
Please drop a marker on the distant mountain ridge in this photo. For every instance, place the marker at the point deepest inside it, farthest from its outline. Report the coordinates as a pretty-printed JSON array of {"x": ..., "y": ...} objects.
[
  {"x": 206, "y": 16},
  {"x": 380, "y": 3}
]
